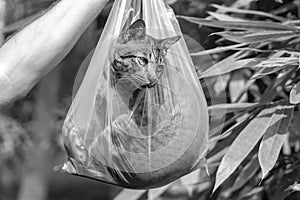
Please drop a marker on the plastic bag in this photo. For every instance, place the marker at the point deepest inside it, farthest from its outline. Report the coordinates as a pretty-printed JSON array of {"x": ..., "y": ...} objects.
[{"x": 139, "y": 119}]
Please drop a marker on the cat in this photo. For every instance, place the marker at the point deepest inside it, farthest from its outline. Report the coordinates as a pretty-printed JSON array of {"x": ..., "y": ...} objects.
[
  {"x": 140, "y": 58},
  {"x": 139, "y": 61}
]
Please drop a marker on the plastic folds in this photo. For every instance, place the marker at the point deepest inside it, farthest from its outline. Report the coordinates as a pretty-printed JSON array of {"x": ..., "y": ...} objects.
[{"x": 139, "y": 119}]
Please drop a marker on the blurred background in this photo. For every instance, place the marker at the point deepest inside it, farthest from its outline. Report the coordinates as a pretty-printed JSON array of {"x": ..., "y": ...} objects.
[{"x": 30, "y": 129}]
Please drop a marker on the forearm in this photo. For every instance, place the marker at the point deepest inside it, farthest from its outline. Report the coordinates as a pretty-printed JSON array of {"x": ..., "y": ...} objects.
[{"x": 39, "y": 47}]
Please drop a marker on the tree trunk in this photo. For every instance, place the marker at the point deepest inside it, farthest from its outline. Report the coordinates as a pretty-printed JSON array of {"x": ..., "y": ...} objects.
[{"x": 34, "y": 183}]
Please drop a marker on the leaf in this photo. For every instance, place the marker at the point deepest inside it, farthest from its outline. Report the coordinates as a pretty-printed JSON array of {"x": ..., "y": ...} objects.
[
  {"x": 130, "y": 194},
  {"x": 262, "y": 73},
  {"x": 224, "y": 17},
  {"x": 233, "y": 63},
  {"x": 155, "y": 193},
  {"x": 246, "y": 174},
  {"x": 217, "y": 50},
  {"x": 238, "y": 25},
  {"x": 220, "y": 109},
  {"x": 250, "y": 37},
  {"x": 252, "y": 12},
  {"x": 274, "y": 138},
  {"x": 243, "y": 145},
  {"x": 217, "y": 129},
  {"x": 277, "y": 61},
  {"x": 227, "y": 138},
  {"x": 190, "y": 180},
  {"x": 295, "y": 94},
  {"x": 270, "y": 93},
  {"x": 227, "y": 65},
  {"x": 236, "y": 87},
  {"x": 295, "y": 187},
  {"x": 241, "y": 3}
]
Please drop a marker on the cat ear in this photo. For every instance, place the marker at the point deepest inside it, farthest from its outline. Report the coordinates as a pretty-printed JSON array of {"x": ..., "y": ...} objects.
[
  {"x": 168, "y": 42},
  {"x": 137, "y": 30}
]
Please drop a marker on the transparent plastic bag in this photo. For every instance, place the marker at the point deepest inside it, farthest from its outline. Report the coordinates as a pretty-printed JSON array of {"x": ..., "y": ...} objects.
[{"x": 139, "y": 119}]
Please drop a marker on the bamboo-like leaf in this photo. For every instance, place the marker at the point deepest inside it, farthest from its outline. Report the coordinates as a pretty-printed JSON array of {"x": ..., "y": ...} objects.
[
  {"x": 295, "y": 94},
  {"x": 244, "y": 144},
  {"x": 219, "y": 109},
  {"x": 155, "y": 193},
  {"x": 270, "y": 93},
  {"x": 224, "y": 17},
  {"x": 217, "y": 50},
  {"x": 273, "y": 62},
  {"x": 250, "y": 37},
  {"x": 274, "y": 138},
  {"x": 277, "y": 61},
  {"x": 190, "y": 180},
  {"x": 246, "y": 174},
  {"x": 227, "y": 65},
  {"x": 266, "y": 71},
  {"x": 232, "y": 63},
  {"x": 241, "y": 25},
  {"x": 130, "y": 194},
  {"x": 217, "y": 129},
  {"x": 251, "y": 12},
  {"x": 242, "y": 3}
]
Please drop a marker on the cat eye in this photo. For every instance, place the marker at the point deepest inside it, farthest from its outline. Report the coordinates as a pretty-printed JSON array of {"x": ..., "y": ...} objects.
[{"x": 142, "y": 61}]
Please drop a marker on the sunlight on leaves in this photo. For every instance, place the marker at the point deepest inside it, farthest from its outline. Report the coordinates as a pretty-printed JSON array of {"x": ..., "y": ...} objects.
[
  {"x": 295, "y": 94},
  {"x": 243, "y": 145},
  {"x": 274, "y": 138}
]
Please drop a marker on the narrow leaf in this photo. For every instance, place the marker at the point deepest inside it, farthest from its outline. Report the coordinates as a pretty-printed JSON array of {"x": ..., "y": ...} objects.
[
  {"x": 266, "y": 71},
  {"x": 217, "y": 50},
  {"x": 295, "y": 94},
  {"x": 243, "y": 145},
  {"x": 236, "y": 87},
  {"x": 190, "y": 180},
  {"x": 155, "y": 193},
  {"x": 224, "y": 17},
  {"x": 274, "y": 138},
  {"x": 232, "y": 63},
  {"x": 246, "y": 174},
  {"x": 252, "y": 12},
  {"x": 227, "y": 65},
  {"x": 130, "y": 194},
  {"x": 249, "y": 37},
  {"x": 220, "y": 109},
  {"x": 238, "y": 25}
]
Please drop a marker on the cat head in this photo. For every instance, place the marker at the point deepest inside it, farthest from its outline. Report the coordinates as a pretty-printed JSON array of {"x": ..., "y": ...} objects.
[{"x": 140, "y": 58}]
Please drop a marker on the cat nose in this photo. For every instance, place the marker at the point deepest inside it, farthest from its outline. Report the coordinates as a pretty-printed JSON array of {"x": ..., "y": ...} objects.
[
  {"x": 151, "y": 75},
  {"x": 152, "y": 78}
]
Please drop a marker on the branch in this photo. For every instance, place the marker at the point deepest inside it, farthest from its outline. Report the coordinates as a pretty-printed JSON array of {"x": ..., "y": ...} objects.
[{"x": 38, "y": 48}]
